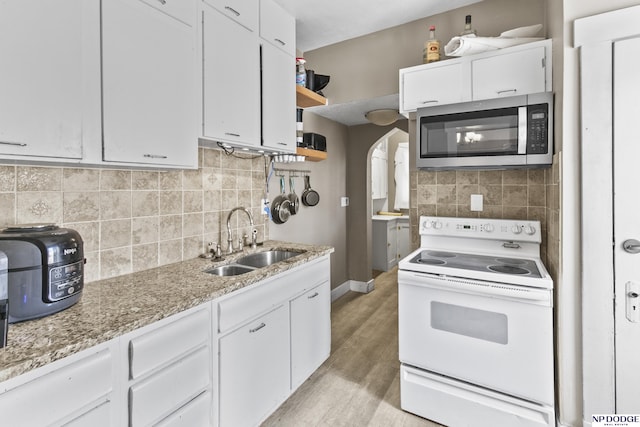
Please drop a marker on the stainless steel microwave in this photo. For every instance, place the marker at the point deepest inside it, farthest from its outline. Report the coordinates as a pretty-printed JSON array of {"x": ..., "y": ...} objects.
[{"x": 503, "y": 133}]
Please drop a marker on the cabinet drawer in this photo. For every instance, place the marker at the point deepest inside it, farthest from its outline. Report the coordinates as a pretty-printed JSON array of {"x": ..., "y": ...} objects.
[
  {"x": 239, "y": 308},
  {"x": 182, "y": 10},
  {"x": 244, "y": 12},
  {"x": 278, "y": 27},
  {"x": 161, "y": 394},
  {"x": 57, "y": 395},
  {"x": 195, "y": 413},
  {"x": 165, "y": 344},
  {"x": 96, "y": 417}
]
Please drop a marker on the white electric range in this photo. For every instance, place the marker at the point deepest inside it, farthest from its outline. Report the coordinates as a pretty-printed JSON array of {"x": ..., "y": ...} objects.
[{"x": 476, "y": 324}]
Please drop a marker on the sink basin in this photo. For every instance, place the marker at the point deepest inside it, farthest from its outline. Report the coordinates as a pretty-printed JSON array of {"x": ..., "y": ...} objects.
[
  {"x": 230, "y": 270},
  {"x": 263, "y": 259}
]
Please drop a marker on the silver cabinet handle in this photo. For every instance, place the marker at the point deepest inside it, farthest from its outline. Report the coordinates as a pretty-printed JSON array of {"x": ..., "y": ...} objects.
[
  {"x": 282, "y": 143},
  {"x": 280, "y": 41},
  {"x": 17, "y": 144},
  {"x": 232, "y": 10},
  {"x": 431, "y": 101},
  {"x": 257, "y": 328},
  {"x": 154, "y": 156},
  {"x": 237, "y": 135},
  {"x": 632, "y": 246},
  {"x": 500, "y": 92},
  {"x": 313, "y": 296}
]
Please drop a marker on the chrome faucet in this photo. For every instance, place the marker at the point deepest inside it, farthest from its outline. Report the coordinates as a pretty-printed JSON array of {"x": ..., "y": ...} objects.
[{"x": 230, "y": 238}]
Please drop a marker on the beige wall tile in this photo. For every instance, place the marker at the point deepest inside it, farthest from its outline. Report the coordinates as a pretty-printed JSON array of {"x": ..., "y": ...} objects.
[
  {"x": 115, "y": 234},
  {"x": 537, "y": 195},
  {"x": 81, "y": 206},
  {"x": 426, "y": 178},
  {"x": 490, "y": 177},
  {"x": 115, "y": 262},
  {"x": 7, "y": 209},
  {"x": 38, "y": 179},
  {"x": 144, "y": 230},
  {"x": 446, "y": 194},
  {"x": 229, "y": 199},
  {"x": 144, "y": 256},
  {"x": 76, "y": 179},
  {"x": 91, "y": 270},
  {"x": 170, "y": 227},
  {"x": 115, "y": 204},
  {"x": 145, "y": 203},
  {"x": 446, "y": 177},
  {"x": 514, "y": 195},
  {"x": 467, "y": 177},
  {"x": 492, "y": 194},
  {"x": 170, "y": 202},
  {"x": 515, "y": 176},
  {"x": 464, "y": 192},
  {"x": 145, "y": 180},
  {"x": 192, "y": 247},
  {"x": 211, "y": 159},
  {"x": 7, "y": 178},
  {"x": 193, "y": 201},
  {"x": 90, "y": 233},
  {"x": 514, "y": 212},
  {"x": 169, "y": 251},
  {"x": 115, "y": 180},
  {"x": 171, "y": 180},
  {"x": 427, "y": 195},
  {"x": 192, "y": 179},
  {"x": 39, "y": 207},
  {"x": 192, "y": 224},
  {"x": 447, "y": 210},
  {"x": 212, "y": 179}
]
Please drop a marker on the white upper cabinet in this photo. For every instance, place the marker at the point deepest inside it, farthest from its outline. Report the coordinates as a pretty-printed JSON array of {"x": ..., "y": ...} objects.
[
  {"x": 231, "y": 80},
  {"x": 517, "y": 70},
  {"x": 278, "y": 27},
  {"x": 278, "y": 99},
  {"x": 441, "y": 83},
  {"x": 244, "y": 12},
  {"x": 149, "y": 82},
  {"x": 515, "y": 73},
  {"x": 44, "y": 83}
]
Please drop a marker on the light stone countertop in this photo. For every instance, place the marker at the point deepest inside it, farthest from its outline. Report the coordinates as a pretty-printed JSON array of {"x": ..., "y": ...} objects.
[{"x": 113, "y": 307}]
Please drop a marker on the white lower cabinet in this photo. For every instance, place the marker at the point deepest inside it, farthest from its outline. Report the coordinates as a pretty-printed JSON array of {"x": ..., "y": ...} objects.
[
  {"x": 391, "y": 242},
  {"x": 70, "y": 391},
  {"x": 310, "y": 332},
  {"x": 254, "y": 369}
]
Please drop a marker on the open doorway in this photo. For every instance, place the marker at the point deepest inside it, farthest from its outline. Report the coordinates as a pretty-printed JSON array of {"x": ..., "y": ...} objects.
[{"x": 388, "y": 201}]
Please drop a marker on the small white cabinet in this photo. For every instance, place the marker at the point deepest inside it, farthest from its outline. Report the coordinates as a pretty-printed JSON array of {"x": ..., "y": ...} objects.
[
  {"x": 516, "y": 70},
  {"x": 391, "y": 242},
  {"x": 254, "y": 369},
  {"x": 149, "y": 82},
  {"x": 231, "y": 79},
  {"x": 46, "y": 80},
  {"x": 310, "y": 332}
]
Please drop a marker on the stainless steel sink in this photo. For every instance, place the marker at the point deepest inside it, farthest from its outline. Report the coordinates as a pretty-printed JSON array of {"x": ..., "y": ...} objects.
[
  {"x": 263, "y": 259},
  {"x": 230, "y": 270}
]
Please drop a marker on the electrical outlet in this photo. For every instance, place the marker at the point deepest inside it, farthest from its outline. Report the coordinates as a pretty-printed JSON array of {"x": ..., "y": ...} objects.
[{"x": 344, "y": 202}]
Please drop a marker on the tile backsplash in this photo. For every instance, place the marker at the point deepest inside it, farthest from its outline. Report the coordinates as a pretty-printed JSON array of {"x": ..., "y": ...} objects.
[{"x": 131, "y": 220}]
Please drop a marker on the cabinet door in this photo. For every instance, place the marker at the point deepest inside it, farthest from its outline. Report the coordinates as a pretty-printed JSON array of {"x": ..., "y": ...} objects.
[
  {"x": 244, "y": 12},
  {"x": 392, "y": 245},
  {"x": 149, "y": 84},
  {"x": 231, "y": 81},
  {"x": 277, "y": 26},
  {"x": 41, "y": 78},
  {"x": 403, "y": 239},
  {"x": 278, "y": 99},
  {"x": 254, "y": 369},
  {"x": 310, "y": 332},
  {"x": 426, "y": 86},
  {"x": 515, "y": 73}
]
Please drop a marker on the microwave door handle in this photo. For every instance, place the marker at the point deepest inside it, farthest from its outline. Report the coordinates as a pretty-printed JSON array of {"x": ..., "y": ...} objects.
[{"x": 522, "y": 130}]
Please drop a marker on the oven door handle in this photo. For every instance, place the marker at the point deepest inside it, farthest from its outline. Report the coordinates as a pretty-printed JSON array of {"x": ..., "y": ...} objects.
[{"x": 477, "y": 287}]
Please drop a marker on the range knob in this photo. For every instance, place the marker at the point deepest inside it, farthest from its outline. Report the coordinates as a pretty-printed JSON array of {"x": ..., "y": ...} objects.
[
  {"x": 530, "y": 230},
  {"x": 516, "y": 229},
  {"x": 426, "y": 224},
  {"x": 437, "y": 225},
  {"x": 488, "y": 228}
]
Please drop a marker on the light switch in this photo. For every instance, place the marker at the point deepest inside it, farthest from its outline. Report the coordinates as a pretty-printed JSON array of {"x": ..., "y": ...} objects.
[
  {"x": 344, "y": 202},
  {"x": 476, "y": 202}
]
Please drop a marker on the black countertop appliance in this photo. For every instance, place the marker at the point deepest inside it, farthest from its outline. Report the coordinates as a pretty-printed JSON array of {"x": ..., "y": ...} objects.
[{"x": 45, "y": 269}]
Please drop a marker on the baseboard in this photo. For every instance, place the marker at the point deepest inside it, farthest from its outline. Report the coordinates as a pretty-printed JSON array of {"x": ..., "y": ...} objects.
[
  {"x": 362, "y": 287},
  {"x": 339, "y": 291}
]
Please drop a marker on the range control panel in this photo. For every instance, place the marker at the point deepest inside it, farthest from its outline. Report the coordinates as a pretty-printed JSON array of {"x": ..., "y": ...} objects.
[
  {"x": 64, "y": 281},
  {"x": 498, "y": 229}
]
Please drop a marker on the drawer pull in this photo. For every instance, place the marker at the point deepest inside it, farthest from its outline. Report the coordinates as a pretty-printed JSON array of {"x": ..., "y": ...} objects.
[
  {"x": 257, "y": 328},
  {"x": 17, "y": 144},
  {"x": 280, "y": 41},
  {"x": 313, "y": 296},
  {"x": 154, "y": 156},
  {"x": 500, "y": 92},
  {"x": 232, "y": 134},
  {"x": 232, "y": 10}
]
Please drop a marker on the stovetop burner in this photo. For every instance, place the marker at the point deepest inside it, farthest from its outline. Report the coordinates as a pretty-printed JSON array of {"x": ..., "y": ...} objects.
[
  {"x": 440, "y": 254},
  {"x": 508, "y": 269},
  {"x": 431, "y": 261}
]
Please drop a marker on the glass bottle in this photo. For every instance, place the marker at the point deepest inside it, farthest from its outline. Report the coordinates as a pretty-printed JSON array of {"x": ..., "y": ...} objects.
[
  {"x": 431, "y": 52},
  {"x": 468, "y": 30},
  {"x": 301, "y": 73}
]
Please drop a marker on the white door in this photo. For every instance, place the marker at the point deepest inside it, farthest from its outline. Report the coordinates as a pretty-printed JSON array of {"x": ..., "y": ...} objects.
[{"x": 626, "y": 224}]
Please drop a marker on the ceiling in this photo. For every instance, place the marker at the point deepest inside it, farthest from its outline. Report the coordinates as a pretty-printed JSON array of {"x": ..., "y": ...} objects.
[{"x": 321, "y": 23}]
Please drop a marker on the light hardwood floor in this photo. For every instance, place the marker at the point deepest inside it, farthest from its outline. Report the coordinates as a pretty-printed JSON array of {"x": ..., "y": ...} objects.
[{"x": 359, "y": 385}]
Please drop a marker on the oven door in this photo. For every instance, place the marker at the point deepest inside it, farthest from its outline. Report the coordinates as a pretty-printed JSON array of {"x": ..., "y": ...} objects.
[{"x": 497, "y": 336}]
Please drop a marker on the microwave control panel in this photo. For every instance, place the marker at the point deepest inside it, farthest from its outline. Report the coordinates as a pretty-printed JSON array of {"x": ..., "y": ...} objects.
[{"x": 537, "y": 129}]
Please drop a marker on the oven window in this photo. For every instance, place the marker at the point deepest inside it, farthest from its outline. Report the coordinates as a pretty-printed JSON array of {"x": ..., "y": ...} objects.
[
  {"x": 478, "y": 133},
  {"x": 471, "y": 322}
]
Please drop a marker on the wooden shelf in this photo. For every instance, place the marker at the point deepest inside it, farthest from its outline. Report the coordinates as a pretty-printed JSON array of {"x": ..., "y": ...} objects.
[
  {"x": 306, "y": 98},
  {"x": 311, "y": 155}
]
